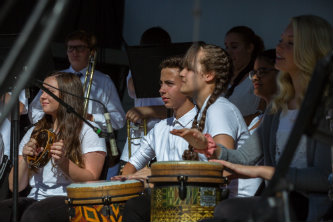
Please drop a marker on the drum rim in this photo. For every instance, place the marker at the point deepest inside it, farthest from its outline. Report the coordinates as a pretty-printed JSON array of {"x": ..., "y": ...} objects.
[
  {"x": 102, "y": 183},
  {"x": 187, "y": 162}
]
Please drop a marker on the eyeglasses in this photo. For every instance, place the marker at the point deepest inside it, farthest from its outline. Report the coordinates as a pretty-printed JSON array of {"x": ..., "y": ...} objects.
[
  {"x": 260, "y": 72},
  {"x": 78, "y": 48}
]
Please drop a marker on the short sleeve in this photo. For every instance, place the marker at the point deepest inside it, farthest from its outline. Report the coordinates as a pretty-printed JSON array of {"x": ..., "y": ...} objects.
[
  {"x": 25, "y": 140},
  {"x": 222, "y": 118},
  {"x": 90, "y": 141}
]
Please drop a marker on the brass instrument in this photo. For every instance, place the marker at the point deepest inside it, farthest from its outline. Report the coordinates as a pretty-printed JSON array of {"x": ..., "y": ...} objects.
[
  {"x": 45, "y": 139},
  {"x": 134, "y": 127},
  {"x": 88, "y": 79}
]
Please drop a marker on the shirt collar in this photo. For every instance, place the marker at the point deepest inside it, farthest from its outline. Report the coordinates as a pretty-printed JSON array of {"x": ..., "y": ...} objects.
[
  {"x": 83, "y": 71},
  {"x": 186, "y": 119}
]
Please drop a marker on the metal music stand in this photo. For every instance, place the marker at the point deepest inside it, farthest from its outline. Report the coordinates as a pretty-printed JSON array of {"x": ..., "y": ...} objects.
[{"x": 144, "y": 64}]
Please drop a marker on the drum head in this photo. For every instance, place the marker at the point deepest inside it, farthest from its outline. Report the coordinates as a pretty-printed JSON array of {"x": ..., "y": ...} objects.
[
  {"x": 195, "y": 171},
  {"x": 115, "y": 190}
]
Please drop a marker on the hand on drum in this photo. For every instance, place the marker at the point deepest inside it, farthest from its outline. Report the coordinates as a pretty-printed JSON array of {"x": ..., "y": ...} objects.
[
  {"x": 31, "y": 149},
  {"x": 141, "y": 175},
  {"x": 194, "y": 137},
  {"x": 243, "y": 171},
  {"x": 58, "y": 151}
]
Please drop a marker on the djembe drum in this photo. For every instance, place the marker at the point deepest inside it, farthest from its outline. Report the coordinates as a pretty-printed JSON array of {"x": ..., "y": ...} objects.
[
  {"x": 100, "y": 200},
  {"x": 185, "y": 190}
]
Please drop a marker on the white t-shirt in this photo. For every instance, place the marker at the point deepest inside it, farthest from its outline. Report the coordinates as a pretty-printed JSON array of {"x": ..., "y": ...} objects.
[
  {"x": 244, "y": 98},
  {"x": 139, "y": 132},
  {"x": 248, "y": 187},
  {"x": 223, "y": 117},
  {"x": 6, "y": 124},
  {"x": 254, "y": 122},
  {"x": 161, "y": 143},
  {"x": 286, "y": 123},
  {"x": 50, "y": 181},
  {"x": 103, "y": 90}
]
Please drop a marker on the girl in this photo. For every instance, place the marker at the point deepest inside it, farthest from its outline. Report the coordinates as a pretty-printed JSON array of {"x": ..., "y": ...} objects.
[
  {"x": 206, "y": 75},
  {"x": 306, "y": 40},
  {"x": 263, "y": 77},
  {"x": 243, "y": 46},
  {"x": 77, "y": 155}
]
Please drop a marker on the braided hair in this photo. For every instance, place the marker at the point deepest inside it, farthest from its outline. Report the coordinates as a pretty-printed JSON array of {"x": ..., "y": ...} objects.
[{"x": 213, "y": 59}]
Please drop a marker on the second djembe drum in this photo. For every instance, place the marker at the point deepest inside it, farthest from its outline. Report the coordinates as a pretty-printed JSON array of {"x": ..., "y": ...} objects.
[{"x": 185, "y": 190}]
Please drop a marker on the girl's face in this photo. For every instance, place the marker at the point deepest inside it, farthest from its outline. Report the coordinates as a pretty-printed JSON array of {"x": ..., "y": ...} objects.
[
  {"x": 238, "y": 50},
  {"x": 285, "y": 52},
  {"x": 192, "y": 80},
  {"x": 264, "y": 79},
  {"x": 49, "y": 104}
]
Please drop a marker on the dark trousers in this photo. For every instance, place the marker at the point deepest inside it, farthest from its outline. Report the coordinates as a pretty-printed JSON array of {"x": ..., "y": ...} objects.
[
  {"x": 260, "y": 209},
  {"x": 137, "y": 209},
  {"x": 30, "y": 210}
]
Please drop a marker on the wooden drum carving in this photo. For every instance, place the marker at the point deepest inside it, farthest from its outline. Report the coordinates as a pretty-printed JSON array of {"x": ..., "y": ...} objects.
[
  {"x": 185, "y": 190},
  {"x": 100, "y": 200}
]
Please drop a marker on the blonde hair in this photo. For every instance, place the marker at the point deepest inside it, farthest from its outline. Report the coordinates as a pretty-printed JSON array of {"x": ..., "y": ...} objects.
[{"x": 313, "y": 39}]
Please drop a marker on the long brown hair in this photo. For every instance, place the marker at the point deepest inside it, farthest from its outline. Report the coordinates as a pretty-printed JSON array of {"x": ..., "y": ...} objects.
[
  {"x": 214, "y": 59},
  {"x": 69, "y": 126}
]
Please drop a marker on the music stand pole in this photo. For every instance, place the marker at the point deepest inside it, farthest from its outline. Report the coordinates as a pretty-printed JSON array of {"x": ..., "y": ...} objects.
[{"x": 15, "y": 119}]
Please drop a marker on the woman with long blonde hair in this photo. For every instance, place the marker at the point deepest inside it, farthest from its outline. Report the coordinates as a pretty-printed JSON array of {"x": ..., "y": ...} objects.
[{"x": 306, "y": 40}]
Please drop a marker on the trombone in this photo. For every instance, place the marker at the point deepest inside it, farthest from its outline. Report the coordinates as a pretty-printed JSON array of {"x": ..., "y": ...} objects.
[
  {"x": 130, "y": 128},
  {"x": 88, "y": 79},
  {"x": 87, "y": 88},
  {"x": 129, "y": 135}
]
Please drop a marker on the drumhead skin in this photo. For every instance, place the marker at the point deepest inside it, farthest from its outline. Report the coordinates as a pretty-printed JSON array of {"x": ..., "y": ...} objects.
[
  {"x": 196, "y": 171},
  {"x": 101, "y": 183},
  {"x": 186, "y": 162},
  {"x": 117, "y": 190}
]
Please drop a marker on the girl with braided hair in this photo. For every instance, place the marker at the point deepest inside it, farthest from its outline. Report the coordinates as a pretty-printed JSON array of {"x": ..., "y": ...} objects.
[
  {"x": 206, "y": 75},
  {"x": 306, "y": 40}
]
